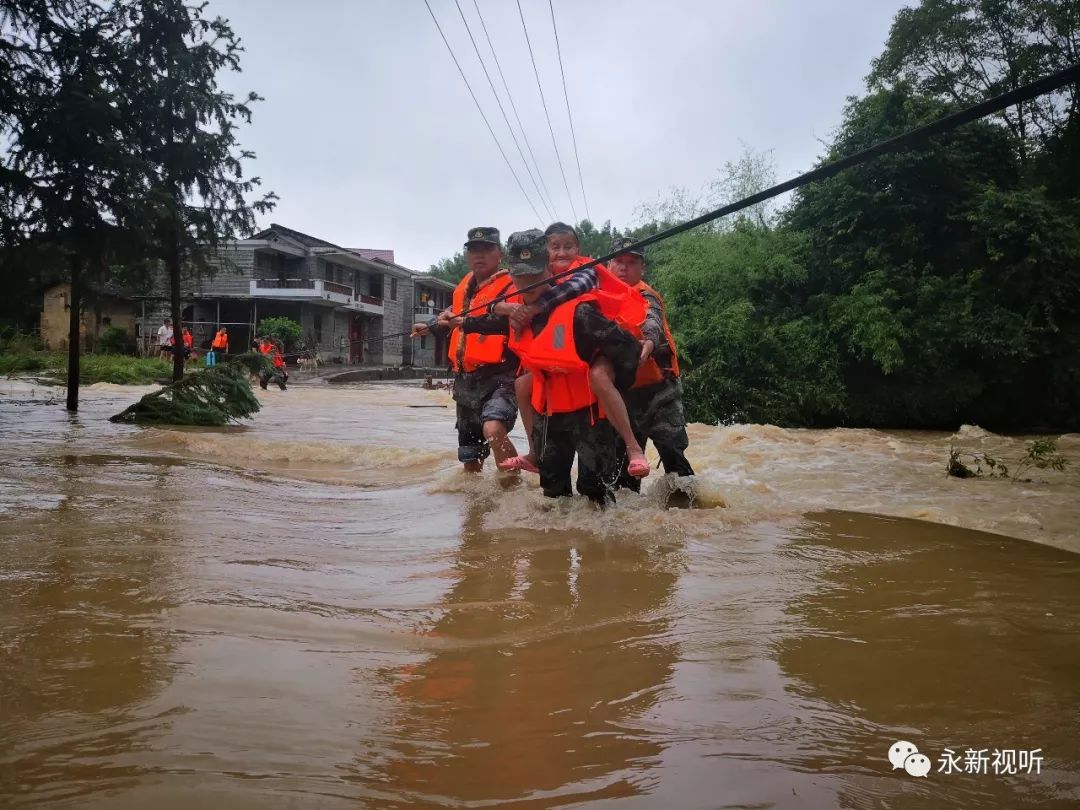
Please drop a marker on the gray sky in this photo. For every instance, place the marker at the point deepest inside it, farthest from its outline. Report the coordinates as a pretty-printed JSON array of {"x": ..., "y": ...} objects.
[{"x": 370, "y": 138}]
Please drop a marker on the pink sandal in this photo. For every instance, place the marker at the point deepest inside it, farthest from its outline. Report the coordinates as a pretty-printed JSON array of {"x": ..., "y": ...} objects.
[
  {"x": 638, "y": 466},
  {"x": 519, "y": 463}
]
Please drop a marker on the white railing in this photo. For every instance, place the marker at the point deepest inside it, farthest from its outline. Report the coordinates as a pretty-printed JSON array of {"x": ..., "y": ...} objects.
[{"x": 302, "y": 288}]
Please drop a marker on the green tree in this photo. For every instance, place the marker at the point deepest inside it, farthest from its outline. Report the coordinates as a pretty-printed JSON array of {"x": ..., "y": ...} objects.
[
  {"x": 285, "y": 330},
  {"x": 183, "y": 128},
  {"x": 68, "y": 173},
  {"x": 963, "y": 51},
  {"x": 453, "y": 269}
]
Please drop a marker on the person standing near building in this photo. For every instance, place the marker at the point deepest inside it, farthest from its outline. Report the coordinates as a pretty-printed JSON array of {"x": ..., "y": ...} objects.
[
  {"x": 220, "y": 344},
  {"x": 484, "y": 367},
  {"x": 189, "y": 345},
  {"x": 165, "y": 339}
]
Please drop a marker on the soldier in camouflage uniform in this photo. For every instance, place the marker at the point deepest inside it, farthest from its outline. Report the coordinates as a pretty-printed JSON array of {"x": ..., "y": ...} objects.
[
  {"x": 559, "y": 436},
  {"x": 656, "y": 408},
  {"x": 484, "y": 368}
]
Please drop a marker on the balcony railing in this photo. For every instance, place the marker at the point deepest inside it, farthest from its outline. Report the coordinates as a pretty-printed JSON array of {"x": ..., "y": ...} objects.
[
  {"x": 369, "y": 299},
  {"x": 302, "y": 288},
  {"x": 285, "y": 284},
  {"x": 340, "y": 289}
]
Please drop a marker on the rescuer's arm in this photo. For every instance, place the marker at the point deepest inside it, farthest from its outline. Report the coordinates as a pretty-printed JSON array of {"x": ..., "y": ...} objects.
[
  {"x": 486, "y": 325},
  {"x": 575, "y": 285},
  {"x": 652, "y": 330}
]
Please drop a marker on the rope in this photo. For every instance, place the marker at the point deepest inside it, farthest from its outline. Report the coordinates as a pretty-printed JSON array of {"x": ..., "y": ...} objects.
[{"x": 1047, "y": 84}]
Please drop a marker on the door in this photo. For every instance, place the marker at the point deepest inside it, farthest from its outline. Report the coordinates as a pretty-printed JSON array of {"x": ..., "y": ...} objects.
[{"x": 356, "y": 340}]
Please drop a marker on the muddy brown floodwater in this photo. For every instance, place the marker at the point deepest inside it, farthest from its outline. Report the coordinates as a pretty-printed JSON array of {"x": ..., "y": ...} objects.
[{"x": 317, "y": 609}]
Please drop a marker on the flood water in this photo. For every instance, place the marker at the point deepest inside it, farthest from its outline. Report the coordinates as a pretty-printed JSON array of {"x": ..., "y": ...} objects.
[{"x": 317, "y": 609}]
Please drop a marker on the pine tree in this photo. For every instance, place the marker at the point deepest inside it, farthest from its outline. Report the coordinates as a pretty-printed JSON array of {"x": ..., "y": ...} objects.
[
  {"x": 183, "y": 127},
  {"x": 68, "y": 175}
]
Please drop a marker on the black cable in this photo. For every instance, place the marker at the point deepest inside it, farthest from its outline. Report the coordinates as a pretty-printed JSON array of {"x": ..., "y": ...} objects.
[
  {"x": 569, "y": 116},
  {"x": 498, "y": 101},
  {"x": 1054, "y": 81},
  {"x": 513, "y": 106},
  {"x": 481, "y": 110},
  {"x": 547, "y": 115}
]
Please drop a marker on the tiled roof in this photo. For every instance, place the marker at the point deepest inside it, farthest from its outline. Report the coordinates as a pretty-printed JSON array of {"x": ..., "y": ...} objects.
[{"x": 371, "y": 253}]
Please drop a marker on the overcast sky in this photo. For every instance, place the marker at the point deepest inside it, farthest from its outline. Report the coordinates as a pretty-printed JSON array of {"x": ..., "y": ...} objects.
[{"x": 370, "y": 138}]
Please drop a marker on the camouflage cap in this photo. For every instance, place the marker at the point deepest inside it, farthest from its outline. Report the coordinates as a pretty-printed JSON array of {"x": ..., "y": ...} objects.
[
  {"x": 624, "y": 244},
  {"x": 527, "y": 252},
  {"x": 483, "y": 235}
]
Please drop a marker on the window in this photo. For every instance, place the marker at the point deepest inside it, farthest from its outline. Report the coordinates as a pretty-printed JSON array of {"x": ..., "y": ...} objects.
[
  {"x": 328, "y": 271},
  {"x": 376, "y": 286},
  {"x": 393, "y": 289},
  {"x": 423, "y": 341},
  {"x": 317, "y": 327}
]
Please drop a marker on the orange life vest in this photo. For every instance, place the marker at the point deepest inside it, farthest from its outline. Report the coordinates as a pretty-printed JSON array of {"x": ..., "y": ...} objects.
[
  {"x": 650, "y": 372},
  {"x": 560, "y": 376},
  {"x": 271, "y": 350},
  {"x": 189, "y": 339},
  {"x": 221, "y": 340},
  {"x": 469, "y": 352}
]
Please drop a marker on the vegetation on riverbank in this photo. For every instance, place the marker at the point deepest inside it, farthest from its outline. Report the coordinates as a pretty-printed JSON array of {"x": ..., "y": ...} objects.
[{"x": 93, "y": 368}]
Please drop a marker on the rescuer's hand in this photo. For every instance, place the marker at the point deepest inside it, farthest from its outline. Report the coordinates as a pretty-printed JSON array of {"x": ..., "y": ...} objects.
[
  {"x": 522, "y": 316},
  {"x": 647, "y": 348},
  {"x": 419, "y": 330}
]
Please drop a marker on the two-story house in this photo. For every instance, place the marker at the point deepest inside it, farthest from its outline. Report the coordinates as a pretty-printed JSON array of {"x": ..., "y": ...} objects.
[{"x": 353, "y": 304}]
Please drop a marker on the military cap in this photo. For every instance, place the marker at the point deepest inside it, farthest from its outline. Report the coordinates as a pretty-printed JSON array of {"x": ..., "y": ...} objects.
[
  {"x": 624, "y": 244},
  {"x": 482, "y": 235},
  {"x": 527, "y": 252}
]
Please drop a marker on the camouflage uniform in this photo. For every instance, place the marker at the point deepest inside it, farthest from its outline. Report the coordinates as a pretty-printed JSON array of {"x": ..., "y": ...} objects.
[
  {"x": 656, "y": 411},
  {"x": 484, "y": 395},
  {"x": 562, "y": 435},
  {"x": 487, "y": 394}
]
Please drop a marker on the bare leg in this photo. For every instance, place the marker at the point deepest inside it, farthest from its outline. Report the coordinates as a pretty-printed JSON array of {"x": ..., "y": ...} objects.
[
  {"x": 474, "y": 466},
  {"x": 501, "y": 446},
  {"x": 602, "y": 380},
  {"x": 523, "y": 389}
]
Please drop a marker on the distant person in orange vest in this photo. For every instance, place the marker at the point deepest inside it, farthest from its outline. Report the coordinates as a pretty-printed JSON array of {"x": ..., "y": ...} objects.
[
  {"x": 220, "y": 343},
  {"x": 189, "y": 344},
  {"x": 564, "y": 254},
  {"x": 278, "y": 374},
  {"x": 484, "y": 367},
  {"x": 655, "y": 400},
  {"x": 558, "y": 349}
]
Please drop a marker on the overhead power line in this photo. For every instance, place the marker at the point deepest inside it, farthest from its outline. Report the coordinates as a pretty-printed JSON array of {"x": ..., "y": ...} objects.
[
  {"x": 491, "y": 84},
  {"x": 513, "y": 106},
  {"x": 547, "y": 115},
  {"x": 569, "y": 116},
  {"x": 480, "y": 109}
]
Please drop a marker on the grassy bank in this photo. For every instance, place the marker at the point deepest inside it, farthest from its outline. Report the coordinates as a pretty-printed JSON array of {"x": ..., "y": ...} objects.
[{"x": 93, "y": 368}]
